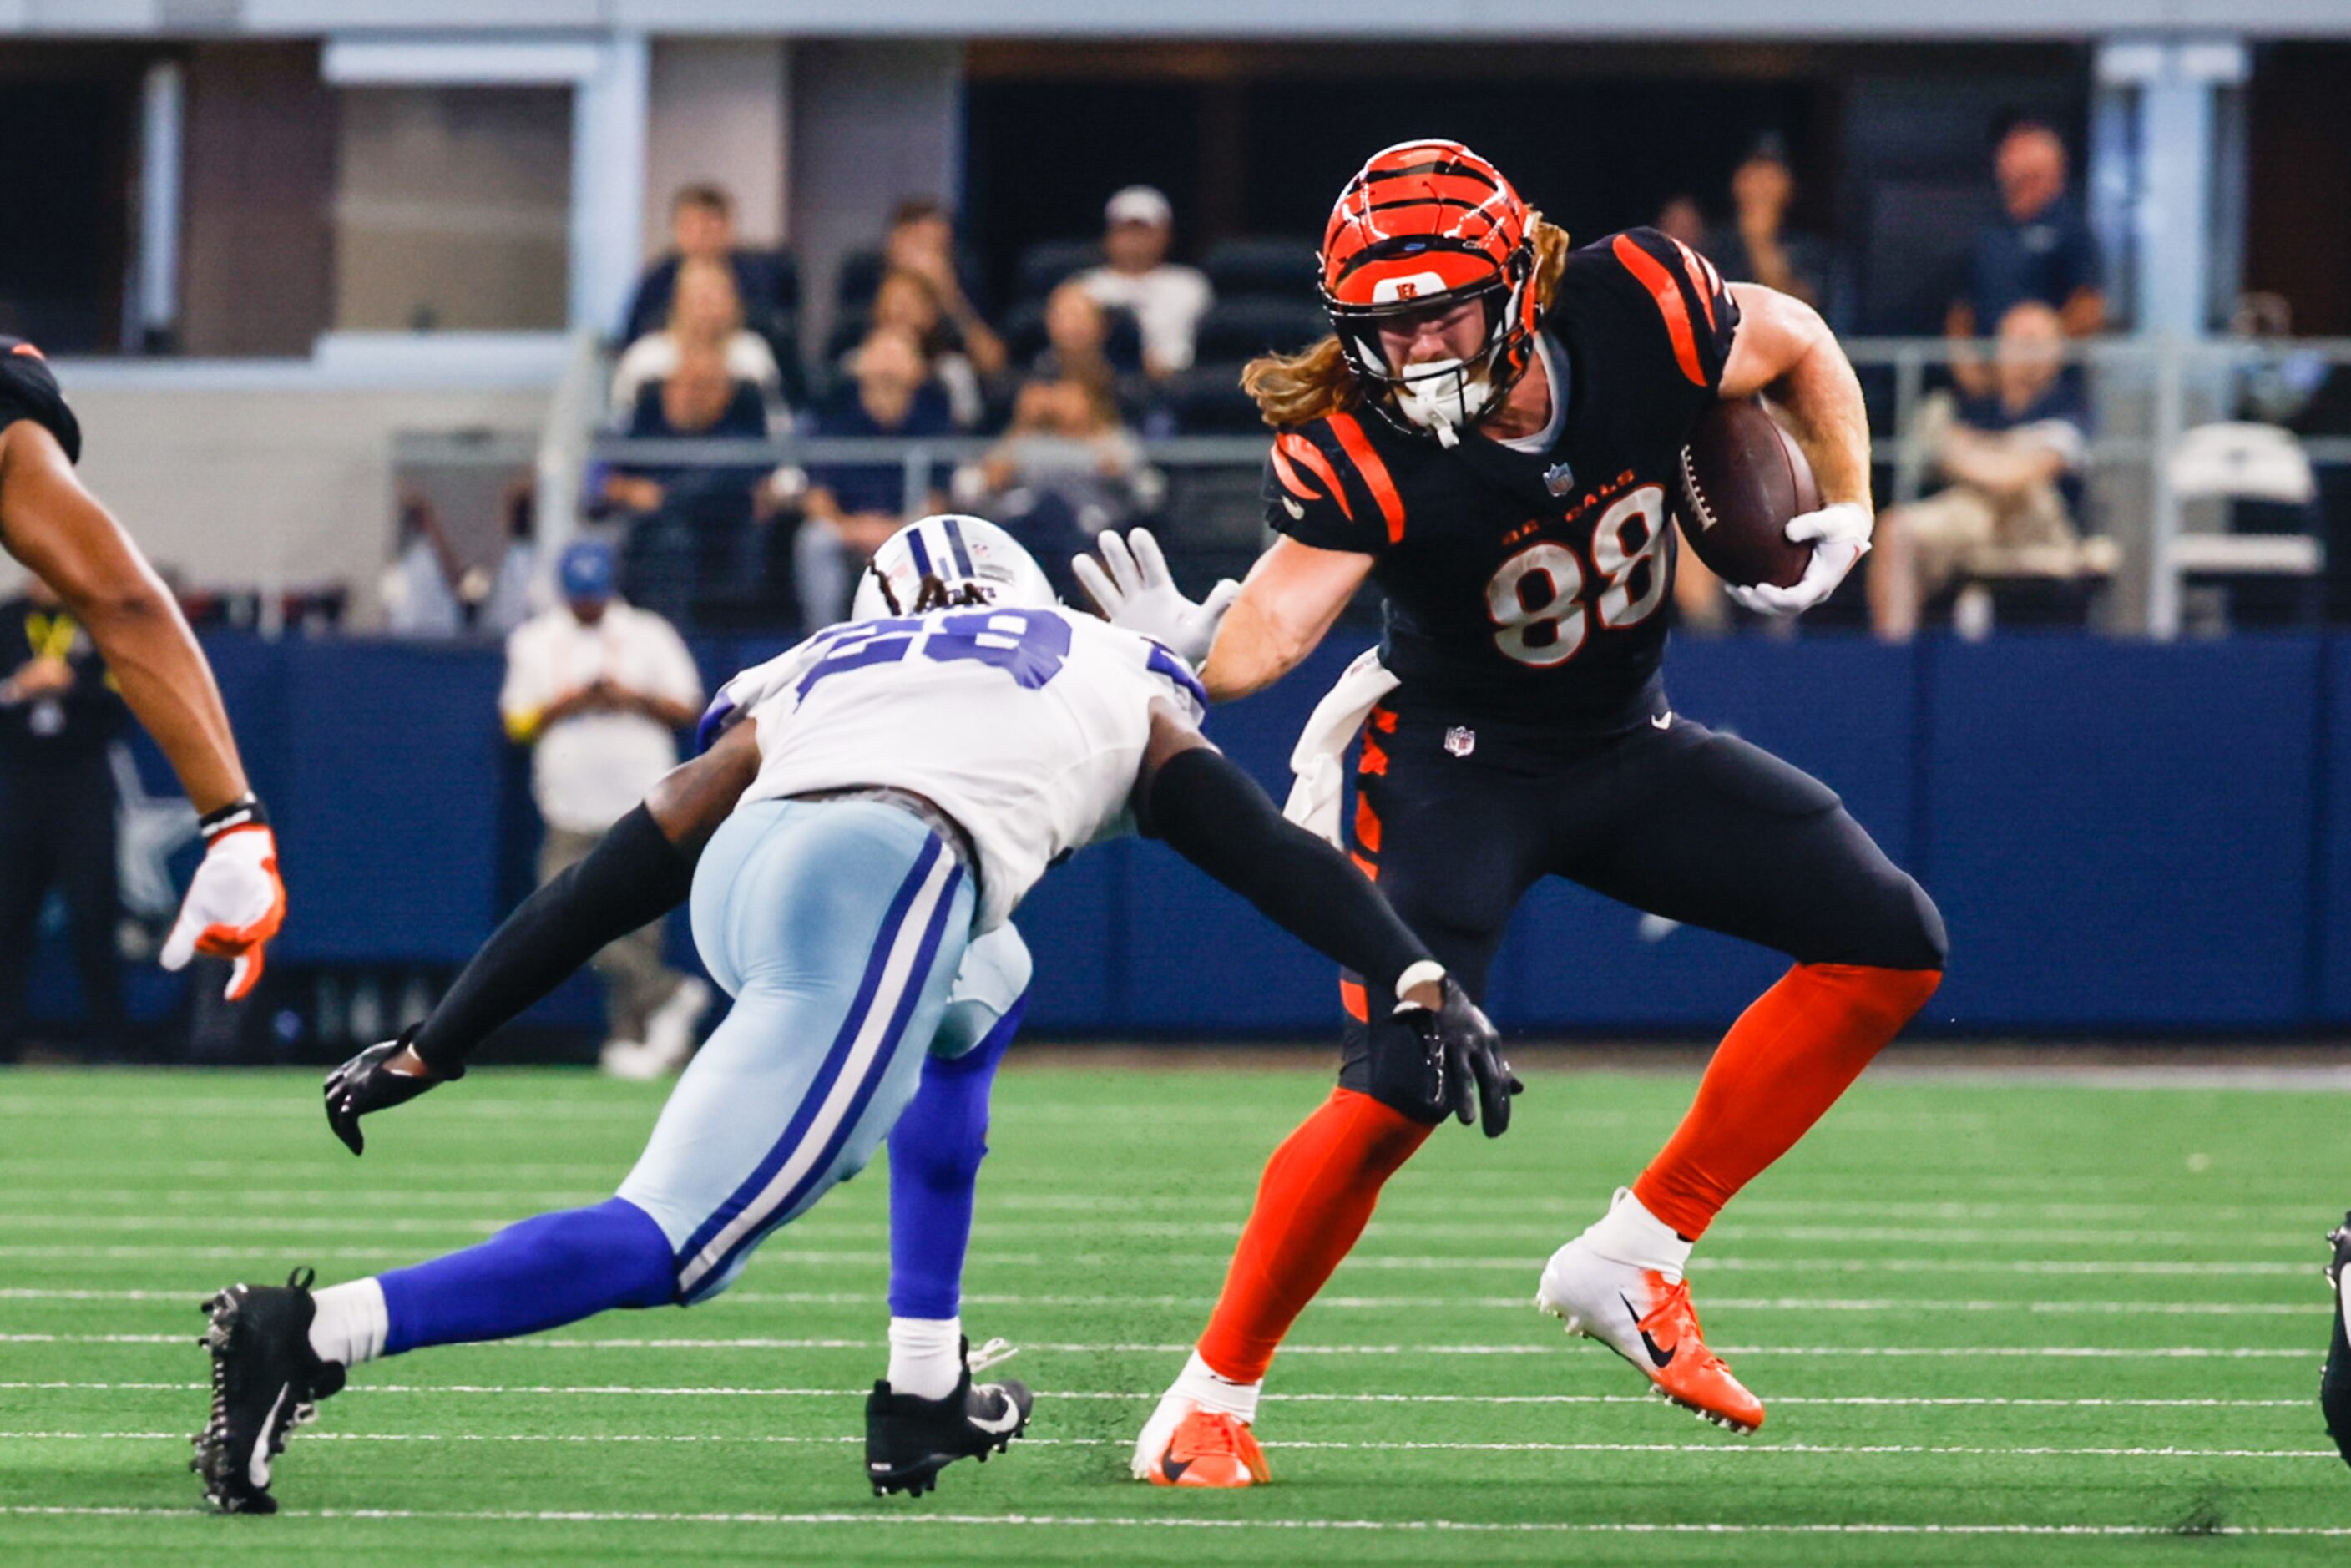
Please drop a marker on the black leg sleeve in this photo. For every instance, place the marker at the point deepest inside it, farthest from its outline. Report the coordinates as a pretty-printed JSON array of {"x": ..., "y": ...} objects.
[
  {"x": 1205, "y": 808},
  {"x": 633, "y": 877}
]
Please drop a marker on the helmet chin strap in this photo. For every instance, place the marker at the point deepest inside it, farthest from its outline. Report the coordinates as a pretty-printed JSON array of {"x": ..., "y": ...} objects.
[{"x": 1443, "y": 396}]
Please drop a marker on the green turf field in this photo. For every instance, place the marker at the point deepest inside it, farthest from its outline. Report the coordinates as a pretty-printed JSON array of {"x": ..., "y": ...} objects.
[{"x": 2067, "y": 1323}]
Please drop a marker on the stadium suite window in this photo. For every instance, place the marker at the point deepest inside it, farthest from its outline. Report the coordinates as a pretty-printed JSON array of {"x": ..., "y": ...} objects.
[{"x": 452, "y": 208}]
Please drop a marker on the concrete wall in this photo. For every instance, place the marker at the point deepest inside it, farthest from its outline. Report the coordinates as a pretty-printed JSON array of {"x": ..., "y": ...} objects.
[
  {"x": 283, "y": 478},
  {"x": 720, "y": 112}
]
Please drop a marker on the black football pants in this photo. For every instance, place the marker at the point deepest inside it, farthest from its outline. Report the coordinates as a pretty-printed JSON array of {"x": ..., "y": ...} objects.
[{"x": 1678, "y": 821}]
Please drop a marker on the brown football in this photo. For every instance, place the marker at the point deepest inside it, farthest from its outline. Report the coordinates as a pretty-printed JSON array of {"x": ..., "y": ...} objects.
[{"x": 1741, "y": 479}]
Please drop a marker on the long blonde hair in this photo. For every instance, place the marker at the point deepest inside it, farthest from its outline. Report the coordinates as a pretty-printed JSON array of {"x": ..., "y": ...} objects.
[{"x": 1290, "y": 389}]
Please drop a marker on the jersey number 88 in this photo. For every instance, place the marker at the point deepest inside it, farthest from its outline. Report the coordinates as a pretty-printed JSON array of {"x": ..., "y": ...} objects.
[{"x": 1536, "y": 597}]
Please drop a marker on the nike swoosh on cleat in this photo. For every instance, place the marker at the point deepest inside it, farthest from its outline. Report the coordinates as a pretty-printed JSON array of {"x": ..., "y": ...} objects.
[
  {"x": 1660, "y": 1358},
  {"x": 1173, "y": 1468},
  {"x": 996, "y": 1425},
  {"x": 257, "y": 1467}
]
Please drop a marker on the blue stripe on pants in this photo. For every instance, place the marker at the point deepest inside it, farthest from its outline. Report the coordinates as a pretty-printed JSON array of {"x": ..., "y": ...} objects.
[{"x": 838, "y": 927}]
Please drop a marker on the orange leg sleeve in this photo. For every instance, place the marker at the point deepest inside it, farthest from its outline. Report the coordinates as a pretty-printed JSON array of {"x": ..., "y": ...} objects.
[
  {"x": 1316, "y": 1196},
  {"x": 1778, "y": 1071}
]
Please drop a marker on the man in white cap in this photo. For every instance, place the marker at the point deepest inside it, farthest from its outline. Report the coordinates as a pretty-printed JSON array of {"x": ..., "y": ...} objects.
[{"x": 1166, "y": 300}]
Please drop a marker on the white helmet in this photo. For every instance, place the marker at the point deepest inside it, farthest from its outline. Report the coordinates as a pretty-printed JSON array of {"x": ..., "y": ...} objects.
[{"x": 944, "y": 563}]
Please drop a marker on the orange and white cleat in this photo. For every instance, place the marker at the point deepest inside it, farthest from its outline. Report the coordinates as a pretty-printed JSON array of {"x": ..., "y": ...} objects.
[
  {"x": 1205, "y": 1449},
  {"x": 1647, "y": 1319}
]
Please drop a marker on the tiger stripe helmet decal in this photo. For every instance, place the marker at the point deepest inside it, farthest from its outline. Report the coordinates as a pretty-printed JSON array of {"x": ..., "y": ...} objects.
[{"x": 1428, "y": 226}]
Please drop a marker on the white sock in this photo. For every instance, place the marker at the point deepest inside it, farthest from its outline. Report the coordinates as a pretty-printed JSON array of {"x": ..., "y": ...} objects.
[
  {"x": 925, "y": 1357},
  {"x": 350, "y": 1323},
  {"x": 1203, "y": 1386},
  {"x": 1629, "y": 1233}
]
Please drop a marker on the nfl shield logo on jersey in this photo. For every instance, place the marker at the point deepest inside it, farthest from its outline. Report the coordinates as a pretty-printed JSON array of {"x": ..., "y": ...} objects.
[{"x": 1460, "y": 740}]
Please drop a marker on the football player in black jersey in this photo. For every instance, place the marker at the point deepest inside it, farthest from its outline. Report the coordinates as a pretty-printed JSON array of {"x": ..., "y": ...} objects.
[
  {"x": 1488, "y": 435},
  {"x": 61, "y": 533}
]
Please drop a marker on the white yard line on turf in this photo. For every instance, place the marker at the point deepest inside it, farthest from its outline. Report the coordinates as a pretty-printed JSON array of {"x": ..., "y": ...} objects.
[
  {"x": 1516, "y": 1303},
  {"x": 1740, "y": 1448},
  {"x": 877, "y": 1230},
  {"x": 1175, "y": 1522},
  {"x": 642, "y": 1392},
  {"x": 1955, "y": 1352},
  {"x": 876, "y": 1259}
]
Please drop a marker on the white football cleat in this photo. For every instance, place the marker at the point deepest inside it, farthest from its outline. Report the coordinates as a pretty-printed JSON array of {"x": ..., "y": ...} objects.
[
  {"x": 669, "y": 1028},
  {"x": 1645, "y": 1317}
]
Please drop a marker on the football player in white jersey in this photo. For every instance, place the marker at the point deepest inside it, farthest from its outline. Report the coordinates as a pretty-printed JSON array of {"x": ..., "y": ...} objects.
[{"x": 890, "y": 792}]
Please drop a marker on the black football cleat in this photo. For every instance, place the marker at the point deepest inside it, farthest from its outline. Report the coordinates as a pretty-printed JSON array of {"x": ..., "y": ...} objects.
[
  {"x": 266, "y": 1381},
  {"x": 909, "y": 1439},
  {"x": 2334, "y": 1383}
]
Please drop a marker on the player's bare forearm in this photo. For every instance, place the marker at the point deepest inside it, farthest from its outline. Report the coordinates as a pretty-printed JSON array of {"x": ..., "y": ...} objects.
[
  {"x": 1784, "y": 352},
  {"x": 690, "y": 800},
  {"x": 1294, "y": 596},
  {"x": 59, "y": 530}
]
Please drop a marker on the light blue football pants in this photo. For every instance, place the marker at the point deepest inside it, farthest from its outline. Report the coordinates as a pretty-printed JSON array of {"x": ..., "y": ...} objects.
[{"x": 837, "y": 926}]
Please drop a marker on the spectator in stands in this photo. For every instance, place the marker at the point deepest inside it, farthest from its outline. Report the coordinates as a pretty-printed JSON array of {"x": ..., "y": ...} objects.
[
  {"x": 1167, "y": 301},
  {"x": 2041, "y": 249},
  {"x": 1681, "y": 218},
  {"x": 511, "y": 598},
  {"x": 1066, "y": 469},
  {"x": 1759, "y": 248},
  {"x": 59, "y": 713},
  {"x": 599, "y": 689},
  {"x": 705, "y": 312},
  {"x": 920, "y": 240},
  {"x": 702, "y": 228},
  {"x": 2009, "y": 456},
  {"x": 701, "y": 399},
  {"x": 1078, "y": 342},
  {"x": 422, "y": 589},
  {"x": 850, "y": 508},
  {"x": 959, "y": 352}
]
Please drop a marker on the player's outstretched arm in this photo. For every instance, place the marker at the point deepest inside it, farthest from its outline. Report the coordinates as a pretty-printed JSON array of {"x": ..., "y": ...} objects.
[
  {"x": 639, "y": 870},
  {"x": 58, "y": 528},
  {"x": 1786, "y": 352},
  {"x": 1193, "y": 798},
  {"x": 1290, "y": 600}
]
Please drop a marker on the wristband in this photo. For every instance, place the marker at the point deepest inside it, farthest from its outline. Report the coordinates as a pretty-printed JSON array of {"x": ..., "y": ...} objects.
[
  {"x": 1421, "y": 973},
  {"x": 246, "y": 811}
]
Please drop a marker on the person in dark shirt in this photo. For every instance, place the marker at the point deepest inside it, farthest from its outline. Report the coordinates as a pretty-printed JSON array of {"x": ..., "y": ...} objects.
[
  {"x": 2040, "y": 248},
  {"x": 702, "y": 226},
  {"x": 58, "y": 715},
  {"x": 2012, "y": 457},
  {"x": 852, "y": 507},
  {"x": 698, "y": 400},
  {"x": 1759, "y": 247}
]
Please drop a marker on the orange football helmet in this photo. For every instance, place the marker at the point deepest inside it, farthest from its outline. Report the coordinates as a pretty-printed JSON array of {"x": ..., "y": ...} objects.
[{"x": 1430, "y": 225}]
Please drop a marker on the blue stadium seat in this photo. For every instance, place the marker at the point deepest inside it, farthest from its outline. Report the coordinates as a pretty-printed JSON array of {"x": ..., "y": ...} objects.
[
  {"x": 1281, "y": 266},
  {"x": 1048, "y": 262},
  {"x": 1236, "y": 330}
]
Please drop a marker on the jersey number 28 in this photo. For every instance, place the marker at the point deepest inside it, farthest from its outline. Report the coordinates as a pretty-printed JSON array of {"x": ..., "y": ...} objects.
[{"x": 1536, "y": 597}]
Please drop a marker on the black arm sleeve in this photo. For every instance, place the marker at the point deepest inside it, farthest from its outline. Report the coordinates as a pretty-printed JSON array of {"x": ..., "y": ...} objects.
[
  {"x": 1205, "y": 807},
  {"x": 634, "y": 876}
]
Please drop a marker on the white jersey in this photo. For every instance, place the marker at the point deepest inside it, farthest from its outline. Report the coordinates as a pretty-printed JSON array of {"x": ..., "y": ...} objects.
[{"x": 1027, "y": 726}]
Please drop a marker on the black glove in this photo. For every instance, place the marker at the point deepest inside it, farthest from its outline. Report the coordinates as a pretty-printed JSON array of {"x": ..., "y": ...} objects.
[
  {"x": 1465, "y": 1060},
  {"x": 365, "y": 1083}
]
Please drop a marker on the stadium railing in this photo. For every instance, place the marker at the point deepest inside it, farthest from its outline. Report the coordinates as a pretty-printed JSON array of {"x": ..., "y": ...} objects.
[{"x": 2145, "y": 397}]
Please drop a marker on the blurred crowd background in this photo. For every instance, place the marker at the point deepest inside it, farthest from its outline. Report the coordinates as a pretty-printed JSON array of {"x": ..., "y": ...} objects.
[{"x": 376, "y": 320}]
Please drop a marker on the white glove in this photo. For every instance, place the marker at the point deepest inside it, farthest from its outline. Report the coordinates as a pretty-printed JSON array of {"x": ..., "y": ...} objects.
[
  {"x": 1839, "y": 536},
  {"x": 1136, "y": 593},
  {"x": 235, "y": 906}
]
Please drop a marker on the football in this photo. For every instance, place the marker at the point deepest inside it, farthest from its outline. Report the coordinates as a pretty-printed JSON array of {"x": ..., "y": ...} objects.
[{"x": 1741, "y": 479}]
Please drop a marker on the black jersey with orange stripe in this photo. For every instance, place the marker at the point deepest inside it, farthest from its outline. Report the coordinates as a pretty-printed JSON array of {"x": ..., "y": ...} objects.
[
  {"x": 29, "y": 391},
  {"x": 1532, "y": 585}
]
